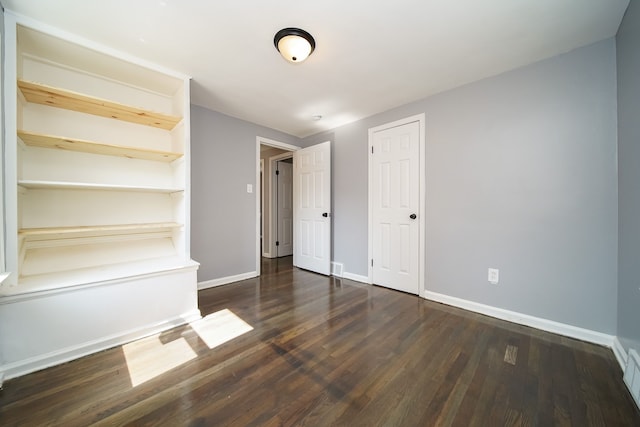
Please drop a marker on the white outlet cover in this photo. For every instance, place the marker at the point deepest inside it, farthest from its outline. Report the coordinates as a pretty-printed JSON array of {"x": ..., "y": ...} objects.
[
  {"x": 493, "y": 276},
  {"x": 249, "y": 188}
]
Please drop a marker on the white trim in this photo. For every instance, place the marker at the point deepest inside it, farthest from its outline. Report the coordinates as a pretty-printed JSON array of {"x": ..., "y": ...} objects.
[
  {"x": 26, "y": 366},
  {"x": 272, "y": 143},
  {"x": 631, "y": 376},
  {"x": 356, "y": 278},
  {"x": 3, "y": 276},
  {"x": 261, "y": 234},
  {"x": 277, "y": 144},
  {"x": 25, "y": 292},
  {"x": 620, "y": 353},
  {"x": 76, "y": 39},
  {"x": 421, "y": 119},
  {"x": 2, "y": 149},
  {"x": 226, "y": 280},
  {"x": 10, "y": 173},
  {"x": 525, "y": 319}
]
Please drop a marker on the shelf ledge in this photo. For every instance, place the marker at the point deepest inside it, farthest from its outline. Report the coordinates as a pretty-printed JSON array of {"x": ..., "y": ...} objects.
[
  {"x": 46, "y": 284},
  {"x": 34, "y": 139},
  {"x": 48, "y": 95},
  {"x": 63, "y": 185},
  {"x": 95, "y": 230}
]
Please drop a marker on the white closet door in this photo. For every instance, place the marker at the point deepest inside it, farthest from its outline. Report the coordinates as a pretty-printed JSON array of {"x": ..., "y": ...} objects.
[{"x": 395, "y": 207}]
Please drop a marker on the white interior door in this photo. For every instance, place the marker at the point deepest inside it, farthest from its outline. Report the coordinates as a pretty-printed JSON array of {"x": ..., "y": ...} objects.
[
  {"x": 395, "y": 181},
  {"x": 312, "y": 208},
  {"x": 284, "y": 197}
]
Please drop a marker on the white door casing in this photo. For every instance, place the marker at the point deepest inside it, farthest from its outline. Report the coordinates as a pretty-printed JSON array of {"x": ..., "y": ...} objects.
[
  {"x": 284, "y": 209},
  {"x": 396, "y": 224},
  {"x": 312, "y": 208},
  {"x": 272, "y": 143}
]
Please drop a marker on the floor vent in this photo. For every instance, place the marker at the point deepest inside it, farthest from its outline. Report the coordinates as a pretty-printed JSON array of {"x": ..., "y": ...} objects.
[
  {"x": 337, "y": 269},
  {"x": 632, "y": 375}
]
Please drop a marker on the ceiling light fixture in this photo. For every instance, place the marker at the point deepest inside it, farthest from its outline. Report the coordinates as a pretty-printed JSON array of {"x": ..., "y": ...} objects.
[{"x": 294, "y": 44}]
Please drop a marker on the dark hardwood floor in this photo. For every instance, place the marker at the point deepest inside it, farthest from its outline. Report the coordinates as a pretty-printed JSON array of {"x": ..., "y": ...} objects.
[{"x": 325, "y": 351}]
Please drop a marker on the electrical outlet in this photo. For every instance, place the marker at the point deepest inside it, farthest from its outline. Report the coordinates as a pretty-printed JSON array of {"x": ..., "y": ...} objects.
[{"x": 493, "y": 276}]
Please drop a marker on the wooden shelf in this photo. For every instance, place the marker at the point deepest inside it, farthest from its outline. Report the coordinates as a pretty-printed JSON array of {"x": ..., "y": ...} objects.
[
  {"x": 60, "y": 185},
  {"x": 96, "y": 229},
  {"x": 71, "y": 144},
  {"x": 68, "y": 100}
]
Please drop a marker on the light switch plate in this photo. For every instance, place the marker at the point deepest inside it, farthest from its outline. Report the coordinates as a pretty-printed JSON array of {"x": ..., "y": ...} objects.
[{"x": 249, "y": 188}]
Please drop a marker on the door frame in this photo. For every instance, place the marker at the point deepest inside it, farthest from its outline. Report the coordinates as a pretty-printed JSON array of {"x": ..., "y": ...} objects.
[
  {"x": 272, "y": 143},
  {"x": 420, "y": 118},
  {"x": 273, "y": 199}
]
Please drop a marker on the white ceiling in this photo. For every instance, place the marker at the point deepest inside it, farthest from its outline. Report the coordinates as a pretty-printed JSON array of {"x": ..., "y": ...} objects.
[{"x": 371, "y": 55}]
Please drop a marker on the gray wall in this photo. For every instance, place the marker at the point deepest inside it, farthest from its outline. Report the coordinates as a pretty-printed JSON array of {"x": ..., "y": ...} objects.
[
  {"x": 521, "y": 176},
  {"x": 628, "y": 55},
  {"x": 223, "y": 214}
]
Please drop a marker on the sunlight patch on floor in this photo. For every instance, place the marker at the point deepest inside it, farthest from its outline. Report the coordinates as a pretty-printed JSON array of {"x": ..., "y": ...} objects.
[
  {"x": 149, "y": 357},
  {"x": 220, "y": 327}
]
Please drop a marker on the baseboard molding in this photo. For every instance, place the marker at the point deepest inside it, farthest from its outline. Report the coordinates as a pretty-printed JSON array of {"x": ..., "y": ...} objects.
[
  {"x": 356, "y": 277},
  {"x": 620, "y": 353},
  {"x": 525, "y": 319},
  {"x": 23, "y": 367},
  {"x": 226, "y": 280}
]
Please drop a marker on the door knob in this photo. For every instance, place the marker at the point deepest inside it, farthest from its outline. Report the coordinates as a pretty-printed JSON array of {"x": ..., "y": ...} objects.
[
  {"x": 413, "y": 216},
  {"x": 325, "y": 214}
]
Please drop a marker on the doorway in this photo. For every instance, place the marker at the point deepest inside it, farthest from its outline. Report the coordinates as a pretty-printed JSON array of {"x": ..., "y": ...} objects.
[
  {"x": 396, "y": 205},
  {"x": 282, "y": 206},
  {"x": 311, "y": 202},
  {"x": 269, "y": 154}
]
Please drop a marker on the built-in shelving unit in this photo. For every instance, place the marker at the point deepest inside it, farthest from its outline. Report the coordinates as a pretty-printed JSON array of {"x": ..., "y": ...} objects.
[
  {"x": 90, "y": 131},
  {"x": 96, "y": 198}
]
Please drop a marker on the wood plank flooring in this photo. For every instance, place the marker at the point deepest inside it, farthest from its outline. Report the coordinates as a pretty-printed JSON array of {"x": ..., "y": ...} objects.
[{"x": 323, "y": 352}]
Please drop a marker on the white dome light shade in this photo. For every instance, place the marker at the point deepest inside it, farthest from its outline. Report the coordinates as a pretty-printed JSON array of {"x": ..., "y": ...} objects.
[
  {"x": 294, "y": 48},
  {"x": 294, "y": 44}
]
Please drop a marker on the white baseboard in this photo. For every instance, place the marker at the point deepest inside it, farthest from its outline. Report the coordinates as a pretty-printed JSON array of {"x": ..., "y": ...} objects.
[
  {"x": 631, "y": 375},
  {"x": 620, "y": 353},
  {"x": 525, "y": 319},
  {"x": 226, "y": 280},
  {"x": 23, "y": 367},
  {"x": 356, "y": 277}
]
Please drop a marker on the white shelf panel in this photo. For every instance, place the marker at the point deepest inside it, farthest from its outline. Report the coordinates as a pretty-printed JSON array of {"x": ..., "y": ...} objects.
[
  {"x": 95, "y": 276},
  {"x": 60, "y": 185}
]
